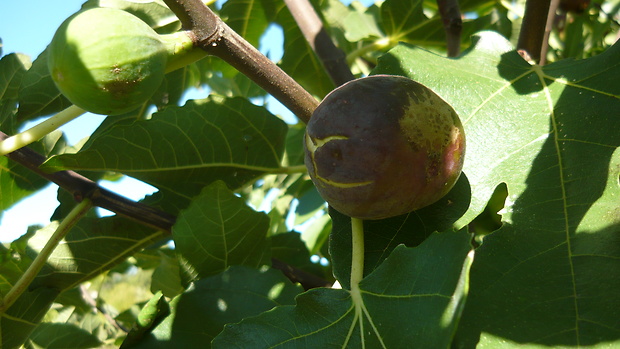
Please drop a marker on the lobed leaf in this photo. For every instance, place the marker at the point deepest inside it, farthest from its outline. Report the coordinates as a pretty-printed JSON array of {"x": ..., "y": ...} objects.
[
  {"x": 548, "y": 276},
  {"x": 413, "y": 299}
]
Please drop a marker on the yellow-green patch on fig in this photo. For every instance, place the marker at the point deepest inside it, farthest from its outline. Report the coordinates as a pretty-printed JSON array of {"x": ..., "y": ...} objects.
[
  {"x": 383, "y": 146},
  {"x": 107, "y": 61}
]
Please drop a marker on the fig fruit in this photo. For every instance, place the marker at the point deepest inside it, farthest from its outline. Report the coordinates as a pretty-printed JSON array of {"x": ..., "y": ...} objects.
[
  {"x": 107, "y": 61},
  {"x": 383, "y": 146}
]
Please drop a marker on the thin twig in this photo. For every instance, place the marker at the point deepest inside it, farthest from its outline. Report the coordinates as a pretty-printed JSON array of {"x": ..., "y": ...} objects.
[
  {"x": 216, "y": 38},
  {"x": 533, "y": 29},
  {"x": 452, "y": 24},
  {"x": 93, "y": 303},
  {"x": 333, "y": 58},
  {"x": 549, "y": 26}
]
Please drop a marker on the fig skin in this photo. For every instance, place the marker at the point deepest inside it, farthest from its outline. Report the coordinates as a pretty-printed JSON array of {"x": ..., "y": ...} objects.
[
  {"x": 107, "y": 61},
  {"x": 382, "y": 146}
]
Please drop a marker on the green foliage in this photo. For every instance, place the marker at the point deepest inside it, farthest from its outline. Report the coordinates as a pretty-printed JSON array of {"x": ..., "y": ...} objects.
[
  {"x": 562, "y": 181},
  {"x": 422, "y": 307},
  {"x": 523, "y": 251}
]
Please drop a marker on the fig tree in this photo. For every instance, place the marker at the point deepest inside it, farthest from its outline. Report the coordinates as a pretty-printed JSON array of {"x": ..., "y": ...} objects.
[
  {"x": 107, "y": 61},
  {"x": 383, "y": 146}
]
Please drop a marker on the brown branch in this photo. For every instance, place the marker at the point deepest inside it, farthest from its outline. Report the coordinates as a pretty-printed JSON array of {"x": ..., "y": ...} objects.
[
  {"x": 216, "y": 38},
  {"x": 533, "y": 29},
  {"x": 81, "y": 187},
  {"x": 334, "y": 60},
  {"x": 452, "y": 24}
]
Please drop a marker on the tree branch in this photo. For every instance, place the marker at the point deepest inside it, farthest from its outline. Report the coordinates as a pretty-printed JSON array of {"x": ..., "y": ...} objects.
[
  {"x": 333, "y": 59},
  {"x": 533, "y": 29},
  {"x": 452, "y": 24},
  {"x": 216, "y": 38},
  {"x": 83, "y": 188},
  {"x": 548, "y": 27}
]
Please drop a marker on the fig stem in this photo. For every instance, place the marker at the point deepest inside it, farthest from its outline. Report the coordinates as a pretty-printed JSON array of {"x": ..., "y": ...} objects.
[
  {"x": 357, "y": 269},
  {"x": 357, "y": 252},
  {"x": 37, "y": 264},
  {"x": 39, "y": 131},
  {"x": 182, "y": 50}
]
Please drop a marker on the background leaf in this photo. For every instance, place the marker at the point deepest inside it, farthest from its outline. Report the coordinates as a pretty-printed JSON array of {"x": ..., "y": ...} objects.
[
  {"x": 197, "y": 316},
  {"x": 246, "y": 17},
  {"x": 299, "y": 61},
  {"x": 38, "y": 95},
  {"x": 18, "y": 322},
  {"x": 59, "y": 336},
  {"x": 218, "y": 230}
]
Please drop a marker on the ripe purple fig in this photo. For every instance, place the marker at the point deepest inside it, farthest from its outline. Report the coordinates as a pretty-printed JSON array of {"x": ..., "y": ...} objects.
[{"x": 382, "y": 146}]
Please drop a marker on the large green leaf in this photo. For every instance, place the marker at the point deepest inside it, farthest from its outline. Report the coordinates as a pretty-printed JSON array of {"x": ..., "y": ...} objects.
[
  {"x": 182, "y": 149},
  {"x": 218, "y": 230},
  {"x": 199, "y": 314},
  {"x": 412, "y": 300},
  {"x": 550, "y": 275}
]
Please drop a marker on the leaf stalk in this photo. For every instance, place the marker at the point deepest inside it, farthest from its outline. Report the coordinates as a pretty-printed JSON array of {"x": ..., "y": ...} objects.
[
  {"x": 26, "y": 279},
  {"x": 39, "y": 131},
  {"x": 357, "y": 252}
]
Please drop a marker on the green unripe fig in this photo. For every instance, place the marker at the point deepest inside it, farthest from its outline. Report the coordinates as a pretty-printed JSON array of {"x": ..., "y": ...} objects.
[
  {"x": 383, "y": 146},
  {"x": 107, "y": 61}
]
